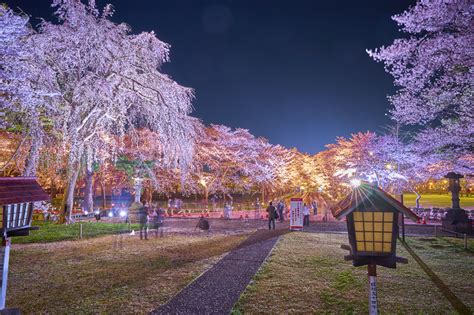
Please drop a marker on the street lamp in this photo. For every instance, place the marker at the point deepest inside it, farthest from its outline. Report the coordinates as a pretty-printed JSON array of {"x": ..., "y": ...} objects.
[{"x": 372, "y": 217}]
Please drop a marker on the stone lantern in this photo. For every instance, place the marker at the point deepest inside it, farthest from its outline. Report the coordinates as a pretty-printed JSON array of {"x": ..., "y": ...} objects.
[{"x": 456, "y": 219}]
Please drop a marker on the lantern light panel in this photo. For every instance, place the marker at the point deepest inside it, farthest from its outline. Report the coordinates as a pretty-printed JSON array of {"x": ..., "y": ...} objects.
[{"x": 373, "y": 232}]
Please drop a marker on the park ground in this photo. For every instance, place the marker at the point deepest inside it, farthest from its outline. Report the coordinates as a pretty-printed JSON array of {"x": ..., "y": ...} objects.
[
  {"x": 437, "y": 201},
  {"x": 305, "y": 272}
]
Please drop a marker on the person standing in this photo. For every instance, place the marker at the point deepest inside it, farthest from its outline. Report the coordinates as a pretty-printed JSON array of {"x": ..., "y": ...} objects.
[
  {"x": 314, "y": 205},
  {"x": 271, "y": 215},
  {"x": 281, "y": 207},
  {"x": 154, "y": 221},
  {"x": 143, "y": 220},
  {"x": 305, "y": 215}
]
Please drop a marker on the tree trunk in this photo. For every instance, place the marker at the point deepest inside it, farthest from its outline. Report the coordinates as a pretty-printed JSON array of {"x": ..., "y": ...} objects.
[
  {"x": 53, "y": 190},
  {"x": 418, "y": 197},
  {"x": 263, "y": 196},
  {"x": 149, "y": 195},
  {"x": 206, "y": 195},
  {"x": 69, "y": 194},
  {"x": 89, "y": 192},
  {"x": 33, "y": 157},
  {"x": 104, "y": 199}
]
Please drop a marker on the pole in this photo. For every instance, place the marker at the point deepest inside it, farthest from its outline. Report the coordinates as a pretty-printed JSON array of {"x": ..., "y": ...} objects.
[
  {"x": 6, "y": 257},
  {"x": 372, "y": 273},
  {"x": 465, "y": 241},
  {"x": 80, "y": 234},
  {"x": 403, "y": 219}
]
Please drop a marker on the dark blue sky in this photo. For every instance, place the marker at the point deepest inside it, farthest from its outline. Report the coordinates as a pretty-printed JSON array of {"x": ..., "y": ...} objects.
[{"x": 295, "y": 72}]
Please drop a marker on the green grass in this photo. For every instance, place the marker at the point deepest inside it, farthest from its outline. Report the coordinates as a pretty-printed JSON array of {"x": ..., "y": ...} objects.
[
  {"x": 51, "y": 232},
  {"x": 306, "y": 273},
  {"x": 99, "y": 276},
  {"x": 450, "y": 262},
  {"x": 435, "y": 200}
]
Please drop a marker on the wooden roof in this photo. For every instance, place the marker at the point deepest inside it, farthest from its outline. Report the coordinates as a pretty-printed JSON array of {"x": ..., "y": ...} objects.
[
  {"x": 365, "y": 192},
  {"x": 20, "y": 189}
]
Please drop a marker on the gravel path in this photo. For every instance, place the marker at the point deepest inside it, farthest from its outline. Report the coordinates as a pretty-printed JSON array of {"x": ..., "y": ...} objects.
[
  {"x": 218, "y": 289},
  {"x": 341, "y": 227}
]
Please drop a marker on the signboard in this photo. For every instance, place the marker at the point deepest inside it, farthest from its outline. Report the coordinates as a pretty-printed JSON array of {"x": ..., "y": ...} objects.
[{"x": 296, "y": 214}]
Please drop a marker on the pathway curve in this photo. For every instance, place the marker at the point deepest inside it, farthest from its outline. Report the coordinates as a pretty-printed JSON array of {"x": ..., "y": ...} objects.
[{"x": 218, "y": 289}]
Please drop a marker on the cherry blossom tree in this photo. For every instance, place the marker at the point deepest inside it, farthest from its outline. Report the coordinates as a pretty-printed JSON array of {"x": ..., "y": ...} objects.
[
  {"x": 110, "y": 84},
  {"x": 433, "y": 70},
  {"x": 25, "y": 84}
]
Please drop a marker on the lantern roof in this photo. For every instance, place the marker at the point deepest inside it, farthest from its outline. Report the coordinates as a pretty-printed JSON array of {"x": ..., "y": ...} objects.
[
  {"x": 20, "y": 189},
  {"x": 364, "y": 193}
]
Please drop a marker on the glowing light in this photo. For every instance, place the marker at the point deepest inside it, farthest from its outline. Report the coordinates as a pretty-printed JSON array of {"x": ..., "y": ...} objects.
[
  {"x": 111, "y": 214},
  {"x": 123, "y": 213},
  {"x": 389, "y": 166},
  {"x": 97, "y": 212},
  {"x": 202, "y": 181},
  {"x": 86, "y": 212},
  {"x": 355, "y": 182}
]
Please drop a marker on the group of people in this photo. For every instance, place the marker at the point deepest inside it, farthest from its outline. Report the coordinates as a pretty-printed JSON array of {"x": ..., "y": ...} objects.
[
  {"x": 278, "y": 212},
  {"x": 150, "y": 218}
]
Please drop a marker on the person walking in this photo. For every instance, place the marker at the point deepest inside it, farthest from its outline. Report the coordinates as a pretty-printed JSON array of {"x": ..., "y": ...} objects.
[
  {"x": 281, "y": 207},
  {"x": 314, "y": 205},
  {"x": 305, "y": 215},
  {"x": 271, "y": 215}
]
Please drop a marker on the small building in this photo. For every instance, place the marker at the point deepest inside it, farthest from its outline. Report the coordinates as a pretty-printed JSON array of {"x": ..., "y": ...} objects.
[
  {"x": 17, "y": 195},
  {"x": 372, "y": 223}
]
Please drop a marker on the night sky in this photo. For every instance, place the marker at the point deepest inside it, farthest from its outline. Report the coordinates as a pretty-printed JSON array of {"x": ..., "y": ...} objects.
[{"x": 295, "y": 72}]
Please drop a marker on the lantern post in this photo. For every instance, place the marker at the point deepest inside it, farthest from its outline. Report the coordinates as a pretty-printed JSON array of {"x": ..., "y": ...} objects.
[
  {"x": 372, "y": 218},
  {"x": 5, "y": 261},
  {"x": 372, "y": 273}
]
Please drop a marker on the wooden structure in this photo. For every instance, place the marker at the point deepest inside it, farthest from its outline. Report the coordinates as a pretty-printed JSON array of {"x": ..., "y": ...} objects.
[
  {"x": 372, "y": 225},
  {"x": 17, "y": 195}
]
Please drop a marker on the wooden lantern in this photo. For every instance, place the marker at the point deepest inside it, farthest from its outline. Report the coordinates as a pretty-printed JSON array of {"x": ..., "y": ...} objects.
[
  {"x": 17, "y": 195},
  {"x": 372, "y": 226}
]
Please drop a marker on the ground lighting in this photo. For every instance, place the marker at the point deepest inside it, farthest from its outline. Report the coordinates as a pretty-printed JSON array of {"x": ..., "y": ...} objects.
[{"x": 372, "y": 226}]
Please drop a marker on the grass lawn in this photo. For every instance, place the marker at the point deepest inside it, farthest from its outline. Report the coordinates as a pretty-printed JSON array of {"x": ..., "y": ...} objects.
[
  {"x": 306, "y": 273},
  {"x": 93, "y": 276},
  {"x": 450, "y": 262},
  {"x": 50, "y": 232},
  {"x": 435, "y": 200}
]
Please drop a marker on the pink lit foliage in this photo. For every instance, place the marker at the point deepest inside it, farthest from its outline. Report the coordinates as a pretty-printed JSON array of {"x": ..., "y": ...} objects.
[
  {"x": 110, "y": 84},
  {"x": 433, "y": 68},
  {"x": 25, "y": 83}
]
